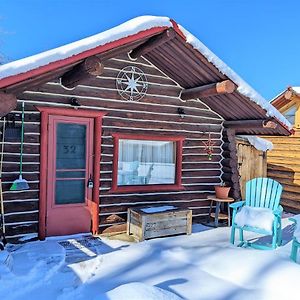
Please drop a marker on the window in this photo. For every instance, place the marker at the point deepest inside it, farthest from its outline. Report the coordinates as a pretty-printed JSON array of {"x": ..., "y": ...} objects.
[
  {"x": 147, "y": 163},
  {"x": 290, "y": 114}
]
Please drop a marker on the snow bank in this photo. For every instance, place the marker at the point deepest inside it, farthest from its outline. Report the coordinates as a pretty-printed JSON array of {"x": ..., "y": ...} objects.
[
  {"x": 140, "y": 291},
  {"x": 201, "y": 266},
  {"x": 258, "y": 143},
  {"x": 28, "y": 237},
  {"x": 256, "y": 217},
  {"x": 156, "y": 209},
  {"x": 126, "y": 29},
  {"x": 28, "y": 267},
  {"x": 3, "y": 256}
]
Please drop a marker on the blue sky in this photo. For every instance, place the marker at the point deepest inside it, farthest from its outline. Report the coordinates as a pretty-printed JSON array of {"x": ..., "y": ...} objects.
[{"x": 259, "y": 39}]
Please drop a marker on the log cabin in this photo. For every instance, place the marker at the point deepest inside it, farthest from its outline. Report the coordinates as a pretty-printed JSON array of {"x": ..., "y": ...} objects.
[
  {"x": 141, "y": 114},
  {"x": 284, "y": 160}
]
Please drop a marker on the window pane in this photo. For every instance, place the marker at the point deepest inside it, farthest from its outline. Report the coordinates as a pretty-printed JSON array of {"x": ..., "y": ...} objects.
[
  {"x": 290, "y": 114},
  {"x": 70, "y": 147},
  {"x": 146, "y": 162},
  {"x": 69, "y": 191}
]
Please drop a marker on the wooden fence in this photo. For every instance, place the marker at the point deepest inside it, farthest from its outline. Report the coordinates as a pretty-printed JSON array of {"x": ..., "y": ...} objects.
[{"x": 252, "y": 163}]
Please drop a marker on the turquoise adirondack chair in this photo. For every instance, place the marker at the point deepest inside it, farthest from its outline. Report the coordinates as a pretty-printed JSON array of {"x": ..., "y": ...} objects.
[
  {"x": 296, "y": 241},
  {"x": 260, "y": 193}
]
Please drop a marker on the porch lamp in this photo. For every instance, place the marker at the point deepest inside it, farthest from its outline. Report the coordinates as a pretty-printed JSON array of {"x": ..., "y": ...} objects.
[
  {"x": 74, "y": 102},
  {"x": 181, "y": 112}
]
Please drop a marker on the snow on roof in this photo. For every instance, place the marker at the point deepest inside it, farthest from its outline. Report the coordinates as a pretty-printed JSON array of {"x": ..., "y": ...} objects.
[
  {"x": 296, "y": 89},
  {"x": 243, "y": 87},
  {"x": 156, "y": 209},
  {"x": 126, "y": 29},
  {"x": 258, "y": 142}
]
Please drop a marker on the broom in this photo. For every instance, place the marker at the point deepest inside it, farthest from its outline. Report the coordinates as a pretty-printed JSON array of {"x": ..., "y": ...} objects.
[
  {"x": 20, "y": 183},
  {"x": 3, "y": 242}
]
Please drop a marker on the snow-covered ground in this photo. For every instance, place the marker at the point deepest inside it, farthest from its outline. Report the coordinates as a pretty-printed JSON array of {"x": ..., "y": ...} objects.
[{"x": 200, "y": 266}]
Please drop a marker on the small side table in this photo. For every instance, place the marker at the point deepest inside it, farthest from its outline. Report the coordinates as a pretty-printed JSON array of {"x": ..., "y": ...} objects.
[{"x": 217, "y": 215}]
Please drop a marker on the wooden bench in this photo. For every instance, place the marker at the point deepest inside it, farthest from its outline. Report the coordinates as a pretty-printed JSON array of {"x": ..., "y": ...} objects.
[{"x": 158, "y": 221}]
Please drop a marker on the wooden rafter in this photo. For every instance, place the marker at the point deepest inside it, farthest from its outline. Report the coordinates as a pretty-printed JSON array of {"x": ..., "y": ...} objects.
[
  {"x": 208, "y": 90},
  {"x": 8, "y": 102},
  {"x": 250, "y": 124},
  {"x": 152, "y": 43},
  {"x": 90, "y": 67}
]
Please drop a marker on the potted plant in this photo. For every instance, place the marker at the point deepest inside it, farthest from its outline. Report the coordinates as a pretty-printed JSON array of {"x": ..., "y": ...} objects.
[{"x": 222, "y": 190}]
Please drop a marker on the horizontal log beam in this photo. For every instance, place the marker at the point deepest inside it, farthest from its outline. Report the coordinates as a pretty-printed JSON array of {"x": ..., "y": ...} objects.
[
  {"x": 152, "y": 43},
  {"x": 250, "y": 124},
  {"x": 8, "y": 102},
  {"x": 208, "y": 90},
  {"x": 90, "y": 67},
  {"x": 290, "y": 94}
]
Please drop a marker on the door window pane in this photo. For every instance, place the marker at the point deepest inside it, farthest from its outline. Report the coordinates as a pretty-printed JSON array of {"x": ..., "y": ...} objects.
[
  {"x": 69, "y": 191},
  {"x": 70, "y": 185},
  {"x": 143, "y": 162},
  {"x": 70, "y": 174},
  {"x": 70, "y": 147}
]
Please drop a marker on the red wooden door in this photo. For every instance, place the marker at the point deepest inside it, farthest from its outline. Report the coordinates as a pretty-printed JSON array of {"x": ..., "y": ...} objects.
[{"x": 70, "y": 165}]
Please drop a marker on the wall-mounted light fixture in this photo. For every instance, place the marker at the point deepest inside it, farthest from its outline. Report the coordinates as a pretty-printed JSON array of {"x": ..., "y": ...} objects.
[
  {"x": 181, "y": 112},
  {"x": 74, "y": 102}
]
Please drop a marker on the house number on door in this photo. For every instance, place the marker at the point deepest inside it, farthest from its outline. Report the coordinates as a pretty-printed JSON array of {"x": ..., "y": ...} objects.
[{"x": 69, "y": 149}]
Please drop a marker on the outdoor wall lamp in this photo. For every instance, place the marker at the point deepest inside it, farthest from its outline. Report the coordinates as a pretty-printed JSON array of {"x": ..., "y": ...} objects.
[
  {"x": 181, "y": 112},
  {"x": 74, "y": 102}
]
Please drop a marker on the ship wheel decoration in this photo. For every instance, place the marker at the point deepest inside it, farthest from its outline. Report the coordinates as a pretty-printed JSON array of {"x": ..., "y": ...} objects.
[{"x": 132, "y": 83}]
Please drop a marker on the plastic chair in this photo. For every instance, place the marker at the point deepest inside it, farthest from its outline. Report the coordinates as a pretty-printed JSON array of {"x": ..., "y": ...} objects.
[
  {"x": 296, "y": 242},
  {"x": 260, "y": 193}
]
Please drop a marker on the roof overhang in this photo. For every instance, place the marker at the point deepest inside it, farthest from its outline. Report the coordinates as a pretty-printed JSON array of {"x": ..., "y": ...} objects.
[
  {"x": 286, "y": 97},
  {"x": 183, "y": 58}
]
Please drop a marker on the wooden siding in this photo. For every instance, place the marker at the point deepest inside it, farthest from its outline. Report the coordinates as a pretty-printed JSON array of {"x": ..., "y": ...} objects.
[
  {"x": 155, "y": 114},
  {"x": 252, "y": 163},
  {"x": 284, "y": 166}
]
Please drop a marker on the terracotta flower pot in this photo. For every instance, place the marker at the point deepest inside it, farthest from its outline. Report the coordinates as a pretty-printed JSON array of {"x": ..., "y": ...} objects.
[{"x": 222, "y": 191}]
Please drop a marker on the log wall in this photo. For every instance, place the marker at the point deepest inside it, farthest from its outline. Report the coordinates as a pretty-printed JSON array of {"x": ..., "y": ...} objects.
[
  {"x": 284, "y": 166},
  {"x": 230, "y": 164},
  {"x": 155, "y": 114}
]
